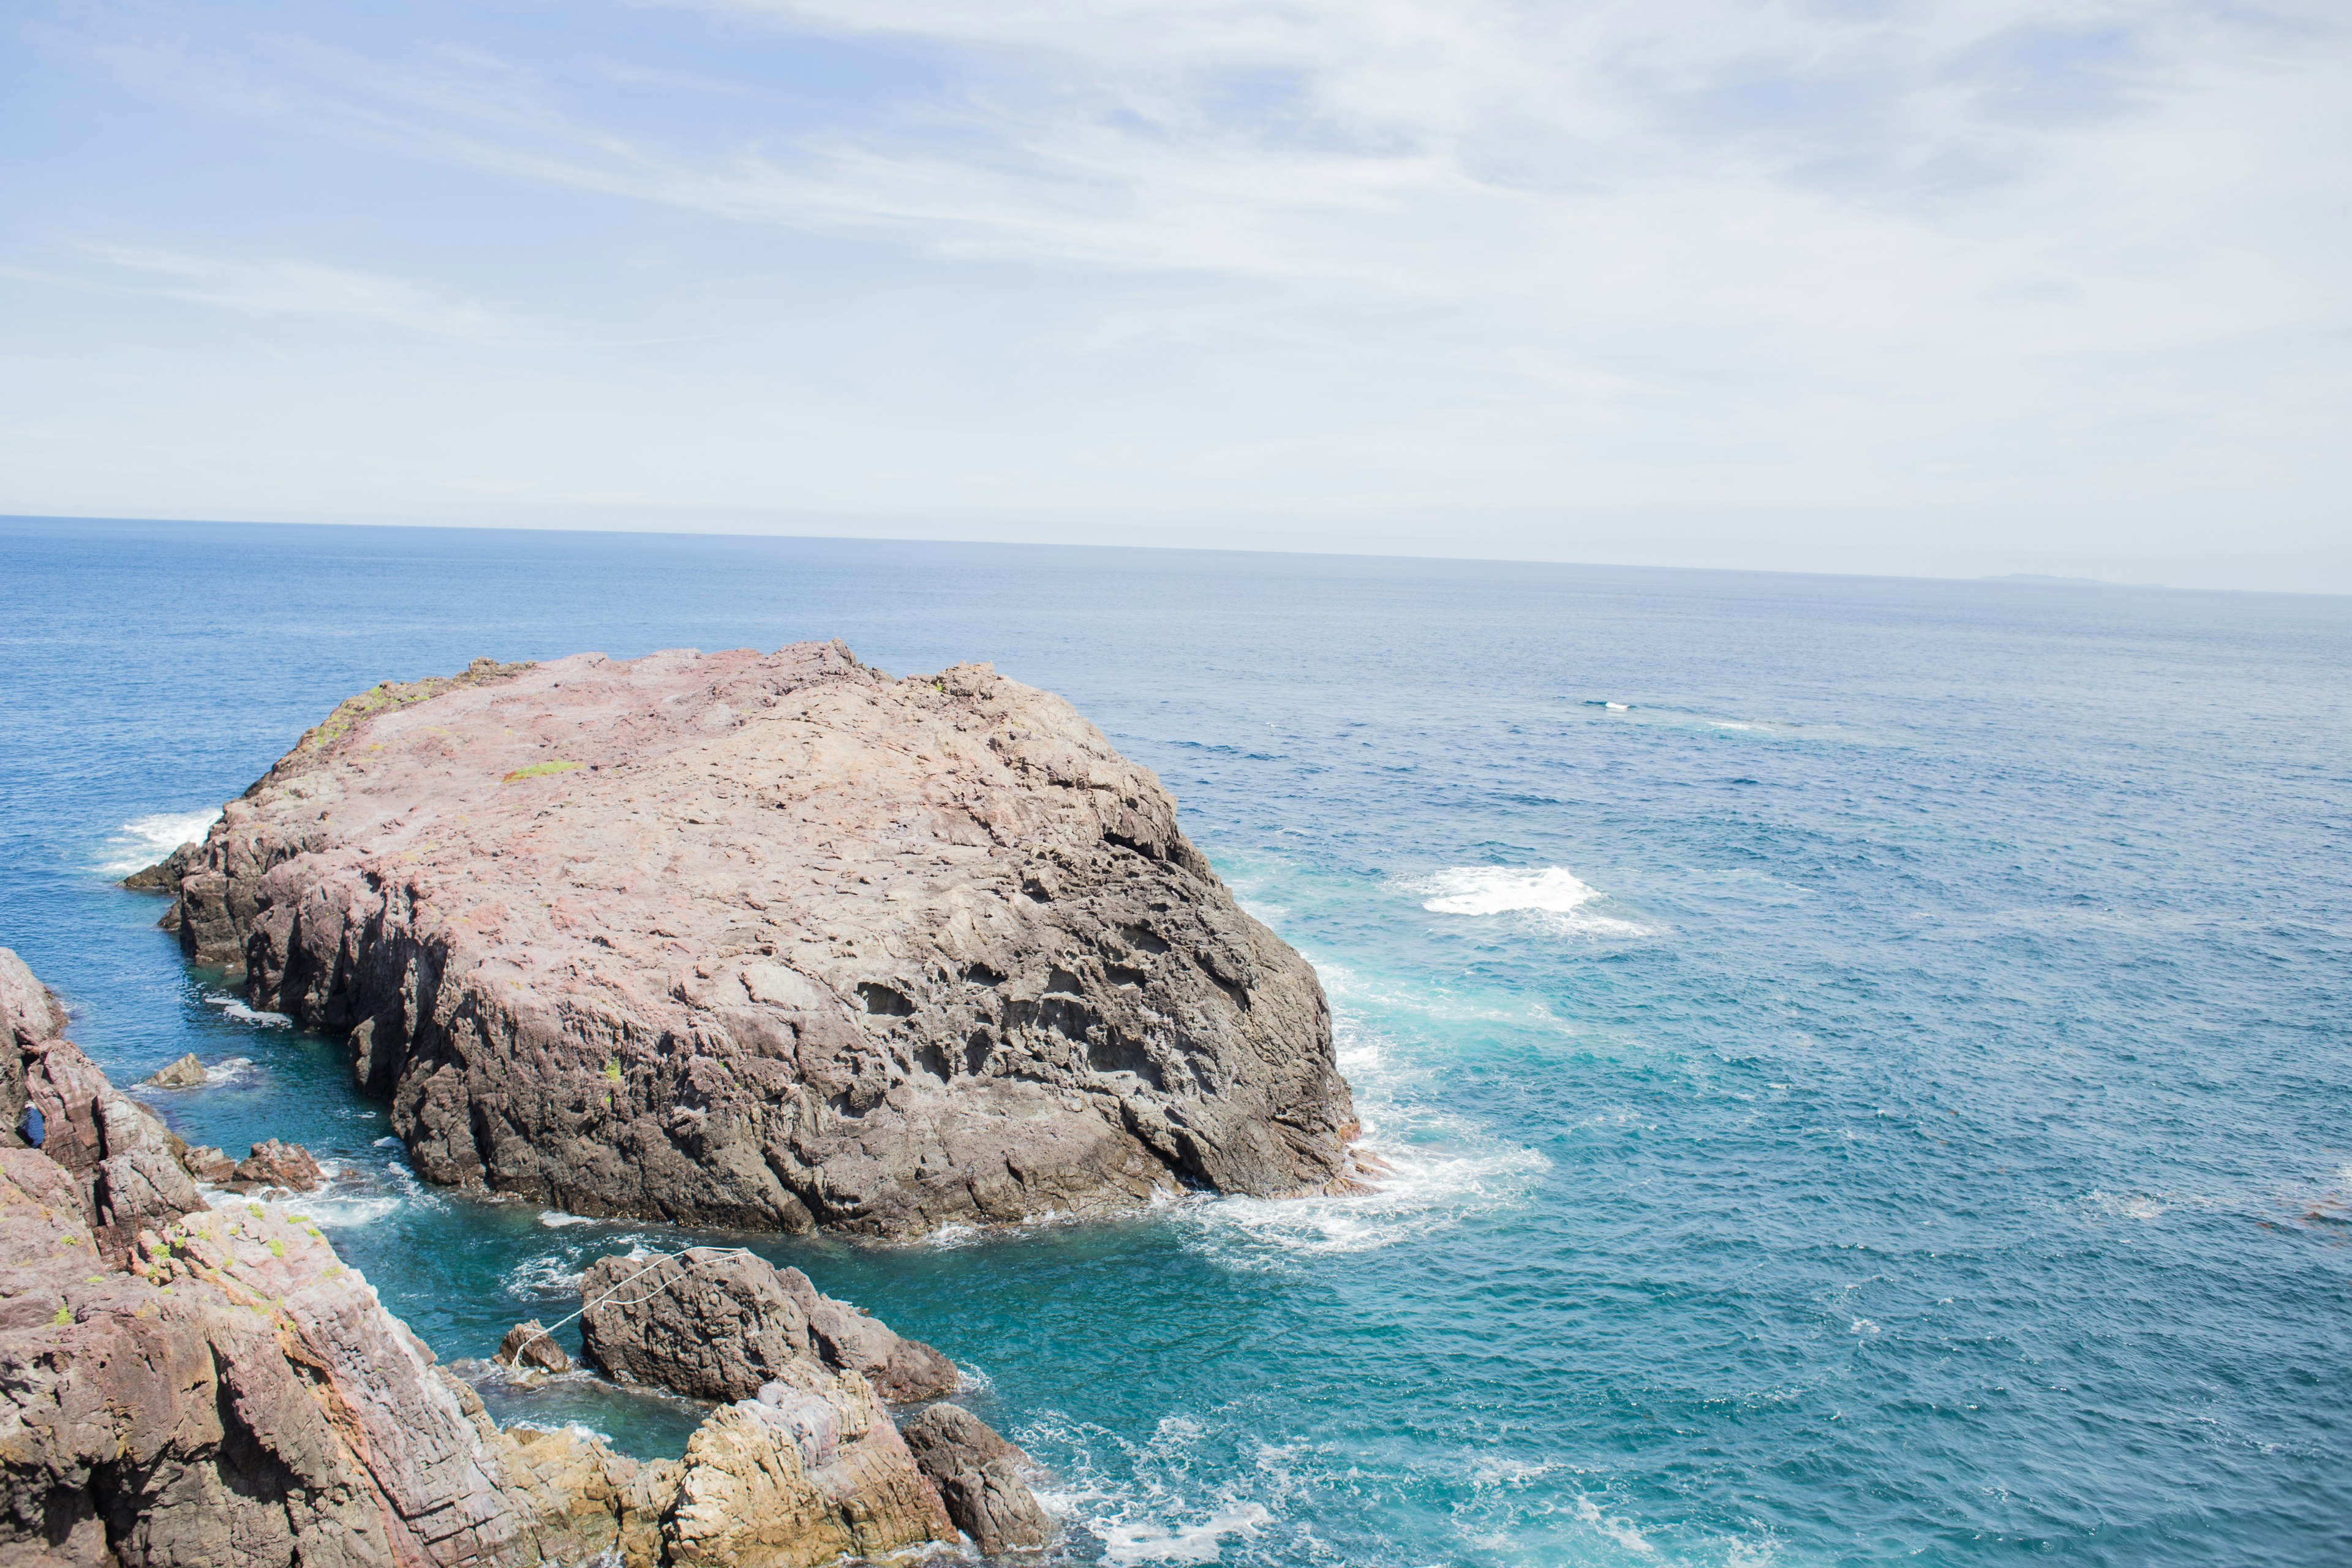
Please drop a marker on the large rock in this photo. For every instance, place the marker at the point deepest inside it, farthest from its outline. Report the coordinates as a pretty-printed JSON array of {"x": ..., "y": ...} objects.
[
  {"x": 809, "y": 1470},
  {"x": 124, "y": 1166},
  {"x": 721, "y": 1325},
  {"x": 289, "y": 1167},
  {"x": 185, "y": 1073},
  {"x": 772, "y": 942},
  {"x": 224, "y": 1390},
  {"x": 978, "y": 1475}
]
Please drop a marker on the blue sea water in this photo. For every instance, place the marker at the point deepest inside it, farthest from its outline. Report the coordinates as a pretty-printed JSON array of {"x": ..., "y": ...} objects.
[{"x": 1867, "y": 1064}]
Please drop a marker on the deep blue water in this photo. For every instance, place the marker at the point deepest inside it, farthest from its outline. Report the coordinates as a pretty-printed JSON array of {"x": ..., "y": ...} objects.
[{"x": 1930, "y": 1140}]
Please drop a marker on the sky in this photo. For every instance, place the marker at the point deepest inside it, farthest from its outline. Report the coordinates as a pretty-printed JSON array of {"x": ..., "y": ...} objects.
[{"x": 1939, "y": 289}]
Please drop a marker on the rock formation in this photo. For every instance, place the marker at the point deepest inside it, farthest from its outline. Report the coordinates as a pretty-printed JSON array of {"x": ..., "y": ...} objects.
[
  {"x": 978, "y": 1475},
  {"x": 287, "y": 1167},
  {"x": 528, "y": 1347},
  {"x": 721, "y": 1325},
  {"x": 185, "y": 1073},
  {"x": 216, "y": 1388},
  {"x": 770, "y": 941}
]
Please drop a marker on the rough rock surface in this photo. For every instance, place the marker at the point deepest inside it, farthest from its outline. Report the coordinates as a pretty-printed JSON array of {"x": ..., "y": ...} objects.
[
  {"x": 273, "y": 1164},
  {"x": 772, "y": 940},
  {"x": 529, "y": 1345},
  {"x": 223, "y": 1389},
  {"x": 810, "y": 1469},
  {"x": 185, "y": 1073},
  {"x": 721, "y": 1324},
  {"x": 978, "y": 1475},
  {"x": 124, "y": 1164}
]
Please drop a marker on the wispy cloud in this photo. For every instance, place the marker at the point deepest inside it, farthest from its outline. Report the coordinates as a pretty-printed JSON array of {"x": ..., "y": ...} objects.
[{"x": 268, "y": 288}]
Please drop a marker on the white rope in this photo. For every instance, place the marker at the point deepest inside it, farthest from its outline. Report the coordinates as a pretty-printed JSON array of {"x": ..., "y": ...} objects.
[{"x": 659, "y": 1259}]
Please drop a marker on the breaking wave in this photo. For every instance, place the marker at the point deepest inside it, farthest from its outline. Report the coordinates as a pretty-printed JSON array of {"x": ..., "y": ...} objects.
[
  {"x": 1552, "y": 896},
  {"x": 143, "y": 840}
]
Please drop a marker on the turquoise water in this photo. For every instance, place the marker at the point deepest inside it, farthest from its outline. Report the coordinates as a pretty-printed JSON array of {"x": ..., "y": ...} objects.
[{"x": 1866, "y": 1062}]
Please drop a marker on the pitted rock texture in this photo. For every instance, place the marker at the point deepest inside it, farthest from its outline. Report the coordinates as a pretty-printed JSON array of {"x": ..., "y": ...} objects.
[
  {"x": 721, "y": 1324},
  {"x": 978, "y": 1475},
  {"x": 772, "y": 942}
]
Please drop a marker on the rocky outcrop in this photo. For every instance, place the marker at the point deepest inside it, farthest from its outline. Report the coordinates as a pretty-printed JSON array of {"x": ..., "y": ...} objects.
[
  {"x": 978, "y": 1475},
  {"x": 715, "y": 1323},
  {"x": 222, "y": 1389},
  {"x": 772, "y": 942},
  {"x": 528, "y": 1347},
  {"x": 286, "y": 1167},
  {"x": 809, "y": 1470},
  {"x": 125, "y": 1165},
  {"x": 185, "y": 1073}
]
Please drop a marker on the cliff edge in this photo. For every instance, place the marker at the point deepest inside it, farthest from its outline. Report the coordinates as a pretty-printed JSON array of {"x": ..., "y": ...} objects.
[{"x": 773, "y": 941}]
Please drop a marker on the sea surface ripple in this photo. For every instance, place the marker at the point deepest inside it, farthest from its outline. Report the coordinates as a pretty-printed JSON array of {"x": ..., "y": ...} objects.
[{"x": 1867, "y": 1064}]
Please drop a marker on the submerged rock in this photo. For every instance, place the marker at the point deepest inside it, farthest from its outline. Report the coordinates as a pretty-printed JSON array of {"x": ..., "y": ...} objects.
[
  {"x": 528, "y": 1346},
  {"x": 979, "y": 1478},
  {"x": 723, "y": 1324},
  {"x": 772, "y": 942},
  {"x": 185, "y": 1073}
]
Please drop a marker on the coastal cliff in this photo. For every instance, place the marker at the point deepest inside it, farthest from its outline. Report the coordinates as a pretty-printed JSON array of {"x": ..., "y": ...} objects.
[
  {"x": 187, "y": 1386},
  {"x": 773, "y": 941}
]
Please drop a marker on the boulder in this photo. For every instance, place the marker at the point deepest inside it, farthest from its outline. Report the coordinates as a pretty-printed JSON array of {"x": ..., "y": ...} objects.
[
  {"x": 721, "y": 1325},
  {"x": 979, "y": 1477},
  {"x": 185, "y": 1073},
  {"x": 283, "y": 1165},
  {"x": 206, "y": 1164},
  {"x": 772, "y": 942},
  {"x": 222, "y": 1389},
  {"x": 529, "y": 1347},
  {"x": 808, "y": 1472}
]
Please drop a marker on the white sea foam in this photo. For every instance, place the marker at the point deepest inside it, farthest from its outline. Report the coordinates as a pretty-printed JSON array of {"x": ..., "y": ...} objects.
[
  {"x": 1439, "y": 1169},
  {"x": 1617, "y": 1530},
  {"x": 556, "y": 1219},
  {"x": 143, "y": 840},
  {"x": 235, "y": 1007},
  {"x": 542, "y": 1278},
  {"x": 1552, "y": 896},
  {"x": 1146, "y": 1541},
  {"x": 236, "y": 1069}
]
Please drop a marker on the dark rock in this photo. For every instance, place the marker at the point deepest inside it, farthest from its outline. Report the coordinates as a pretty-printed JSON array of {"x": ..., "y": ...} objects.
[
  {"x": 979, "y": 1477},
  {"x": 275, "y": 1164},
  {"x": 185, "y": 1073},
  {"x": 714, "y": 1324},
  {"x": 909, "y": 952},
  {"x": 528, "y": 1345},
  {"x": 163, "y": 876}
]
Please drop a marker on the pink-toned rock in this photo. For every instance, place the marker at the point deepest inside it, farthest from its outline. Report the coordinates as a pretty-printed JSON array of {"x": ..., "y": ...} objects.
[
  {"x": 289, "y": 1167},
  {"x": 772, "y": 942}
]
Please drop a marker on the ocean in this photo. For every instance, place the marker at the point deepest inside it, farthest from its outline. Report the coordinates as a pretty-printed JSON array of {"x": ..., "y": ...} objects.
[{"x": 1867, "y": 1063}]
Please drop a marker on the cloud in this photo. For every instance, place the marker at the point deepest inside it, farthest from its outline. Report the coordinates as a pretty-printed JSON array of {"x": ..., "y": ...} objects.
[{"x": 272, "y": 287}]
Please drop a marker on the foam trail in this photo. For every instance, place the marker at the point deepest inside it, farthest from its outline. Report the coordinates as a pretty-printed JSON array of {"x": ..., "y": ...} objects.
[
  {"x": 1554, "y": 893},
  {"x": 143, "y": 840},
  {"x": 234, "y": 1008},
  {"x": 1141, "y": 1540}
]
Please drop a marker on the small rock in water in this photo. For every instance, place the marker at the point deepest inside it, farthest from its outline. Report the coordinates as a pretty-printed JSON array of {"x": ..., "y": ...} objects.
[
  {"x": 979, "y": 1477},
  {"x": 275, "y": 1164},
  {"x": 528, "y": 1346},
  {"x": 185, "y": 1073},
  {"x": 720, "y": 1325}
]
